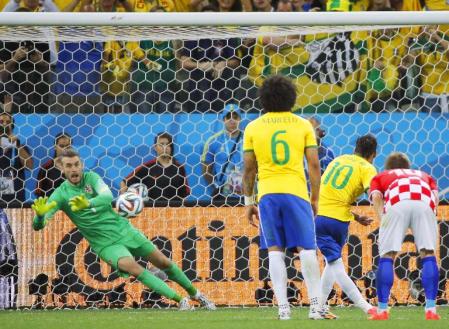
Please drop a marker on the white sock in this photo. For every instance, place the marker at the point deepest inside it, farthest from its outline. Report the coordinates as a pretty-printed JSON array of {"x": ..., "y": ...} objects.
[
  {"x": 348, "y": 286},
  {"x": 278, "y": 275},
  {"x": 311, "y": 272},
  {"x": 327, "y": 283}
]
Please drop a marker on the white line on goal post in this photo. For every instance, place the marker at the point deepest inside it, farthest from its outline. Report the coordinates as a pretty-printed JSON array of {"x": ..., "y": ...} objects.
[{"x": 225, "y": 19}]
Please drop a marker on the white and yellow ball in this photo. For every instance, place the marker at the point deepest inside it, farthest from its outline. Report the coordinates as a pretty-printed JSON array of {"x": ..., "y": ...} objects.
[{"x": 129, "y": 204}]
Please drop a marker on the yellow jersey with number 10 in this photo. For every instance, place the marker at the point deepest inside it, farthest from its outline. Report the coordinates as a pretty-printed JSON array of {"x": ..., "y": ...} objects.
[
  {"x": 279, "y": 140},
  {"x": 343, "y": 181}
]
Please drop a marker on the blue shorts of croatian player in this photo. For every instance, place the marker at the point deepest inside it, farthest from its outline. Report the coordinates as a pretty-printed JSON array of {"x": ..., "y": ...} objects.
[
  {"x": 286, "y": 221},
  {"x": 331, "y": 236}
]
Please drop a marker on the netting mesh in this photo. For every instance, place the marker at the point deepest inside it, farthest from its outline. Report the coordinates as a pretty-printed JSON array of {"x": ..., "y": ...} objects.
[
  {"x": 112, "y": 100},
  {"x": 135, "y": 33}
]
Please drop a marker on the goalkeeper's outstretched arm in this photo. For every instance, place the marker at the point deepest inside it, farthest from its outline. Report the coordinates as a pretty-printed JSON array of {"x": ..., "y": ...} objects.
[{"x": 44, "y": 209}]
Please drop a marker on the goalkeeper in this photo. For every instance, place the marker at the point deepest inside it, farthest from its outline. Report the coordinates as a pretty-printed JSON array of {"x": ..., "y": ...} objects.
[{"x": 86, "y": 200}]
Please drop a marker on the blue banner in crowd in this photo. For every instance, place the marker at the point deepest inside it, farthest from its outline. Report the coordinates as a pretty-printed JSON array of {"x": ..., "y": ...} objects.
[{"x": 114, "y": 144}]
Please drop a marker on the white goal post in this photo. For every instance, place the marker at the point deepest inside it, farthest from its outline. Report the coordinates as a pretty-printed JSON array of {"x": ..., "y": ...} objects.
[{"x": 151, "y": 24}]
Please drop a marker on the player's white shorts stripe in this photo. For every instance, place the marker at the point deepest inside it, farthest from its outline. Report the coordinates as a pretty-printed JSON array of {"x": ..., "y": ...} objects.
[{"x": 261, "y": 231}]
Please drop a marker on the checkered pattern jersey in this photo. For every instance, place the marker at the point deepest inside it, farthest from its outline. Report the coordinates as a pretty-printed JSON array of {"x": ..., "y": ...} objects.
[{"x": 404, "y": 184}]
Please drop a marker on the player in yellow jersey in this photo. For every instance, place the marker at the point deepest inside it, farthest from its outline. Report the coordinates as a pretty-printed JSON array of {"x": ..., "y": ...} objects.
[
  {"x": 344, "y": 180},
  {"x": 274, "y": 147}
]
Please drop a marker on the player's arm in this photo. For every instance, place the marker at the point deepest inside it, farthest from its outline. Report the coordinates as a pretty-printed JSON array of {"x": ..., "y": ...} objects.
[
  {"x": 207, "y": 163},
  {"x": 103, "y": 198},
  {"x": 368, "y": 173},
  {"x": 45, "y": 209},
  {"x": 249, "y": 179},
  {"x": 378, "y": 203},
  {"x": 249, "y": 175},
  {"x": 434, "y": 188},
  {"x": 313, "y": 163},
  {"x": 104, "y": 195},
  {"x": 361, "y": 219}
]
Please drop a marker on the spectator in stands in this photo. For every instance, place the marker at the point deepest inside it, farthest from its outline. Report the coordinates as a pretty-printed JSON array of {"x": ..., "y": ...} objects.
[
  {"x": 108, "y": 6},
  {"x": 152, "y": 80},
  {"x": 26, "y": 74},
  {"x": 165, "y": 177},
  {"x": 75, "y": 5},
  {"x": 263, "y": 5},
  {"x": 117, "y": 61},
  {"x": 50, "y": 176},
  {"x": 229, "y": 6},
  {"x": 198, "y": 5},
  {"x": 36, "y": 6},
  {"x": 307, "y": 5},
  {"x": 284, "y": 6},
  {"x": 15, "y": 158},
  {"x": 222, "y": 161},
  {"x": 183, "y": 5},
  {"x": 387, "y": 74},
  {"x": 325, "y": 154},
  {"x": 5, "y": 99},
  {"x": 379, "y": 5},
  {"x": 210, "y": 68},
  {"x": 32, "y": 5},
  {"x": 432, "y": 50},
  {"x": 78, "y": 75}
]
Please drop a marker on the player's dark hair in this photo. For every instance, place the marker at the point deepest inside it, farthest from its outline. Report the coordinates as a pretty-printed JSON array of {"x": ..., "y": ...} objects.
[
  {"x": 168, "y": 137},
  {"x": 397, "y": 160},
  {"x": 366, "y": 146},
  {"x": 69, "y": 153},
  {"x": 277, "y": 94}
]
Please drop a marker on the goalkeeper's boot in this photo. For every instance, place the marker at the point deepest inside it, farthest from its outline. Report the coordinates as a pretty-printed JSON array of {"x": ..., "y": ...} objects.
[
  {"x": 326, "y": 314},
  {"x": 432, "y": 315},
  {"x": 204, "y": 302},
  {"x": 380, "y": 315},
  {"x": 284, "y": 312},
  {"x": 184, "y": 305}
]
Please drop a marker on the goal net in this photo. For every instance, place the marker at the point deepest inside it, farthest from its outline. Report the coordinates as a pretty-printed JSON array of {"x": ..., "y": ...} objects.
[{"x": 121, "y": 87}]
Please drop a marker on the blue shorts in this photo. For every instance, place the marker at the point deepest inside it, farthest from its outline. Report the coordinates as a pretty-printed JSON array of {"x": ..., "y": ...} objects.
[
  {"x": 286, "y": 221},
  {"x": 331, "y": 236}
]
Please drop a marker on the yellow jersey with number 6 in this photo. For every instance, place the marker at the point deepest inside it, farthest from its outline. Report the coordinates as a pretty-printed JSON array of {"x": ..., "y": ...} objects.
[
  {"x": 279, "y": 140},
  {"x": 343, "y": 181}
]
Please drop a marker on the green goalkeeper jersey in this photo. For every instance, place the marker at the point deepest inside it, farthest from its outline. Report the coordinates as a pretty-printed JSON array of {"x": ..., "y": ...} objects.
[{"x": 99, "y": 224}]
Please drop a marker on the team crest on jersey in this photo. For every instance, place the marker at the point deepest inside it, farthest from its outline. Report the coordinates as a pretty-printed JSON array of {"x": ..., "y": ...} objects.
[{"x": 88, "y": 189}]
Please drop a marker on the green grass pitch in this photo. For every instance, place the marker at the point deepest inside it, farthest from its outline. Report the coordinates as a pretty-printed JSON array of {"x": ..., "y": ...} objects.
[{"x": 229, "y": 318}]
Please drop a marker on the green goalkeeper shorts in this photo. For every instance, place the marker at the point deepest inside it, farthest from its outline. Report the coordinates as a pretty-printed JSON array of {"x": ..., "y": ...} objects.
[{"x": 134, "y": 244}]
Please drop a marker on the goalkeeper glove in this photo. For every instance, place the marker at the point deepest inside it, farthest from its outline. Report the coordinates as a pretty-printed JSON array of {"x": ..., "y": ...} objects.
[
  {"x": 41, "y": 207},
  {"x": 78, "y": 203}
]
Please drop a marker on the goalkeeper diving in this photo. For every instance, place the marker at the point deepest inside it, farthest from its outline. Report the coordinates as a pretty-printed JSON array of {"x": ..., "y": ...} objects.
[{"x": 86, "y": 200}]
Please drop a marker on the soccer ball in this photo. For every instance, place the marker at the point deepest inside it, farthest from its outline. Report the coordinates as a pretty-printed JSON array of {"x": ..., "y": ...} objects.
[
  {"x": 139, "y": 189},
  {"x": 129, "y": 204}
]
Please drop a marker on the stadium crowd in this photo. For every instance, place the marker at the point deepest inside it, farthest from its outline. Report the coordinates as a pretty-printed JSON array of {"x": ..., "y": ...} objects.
[{"x": 383, "y": 70}]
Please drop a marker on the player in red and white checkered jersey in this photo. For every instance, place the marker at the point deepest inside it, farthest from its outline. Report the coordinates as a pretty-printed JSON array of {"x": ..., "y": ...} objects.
[
  {"x": 405, "y": 184},
  {"x": 404, "y": 198}
]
